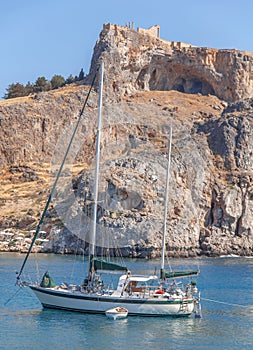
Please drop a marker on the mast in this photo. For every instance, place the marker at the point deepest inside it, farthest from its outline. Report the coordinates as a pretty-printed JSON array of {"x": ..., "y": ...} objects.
[
  {"x": 166, "y": 205},
  {"x": 55, "y": 183},
  {"x": 94, "y": 219}
]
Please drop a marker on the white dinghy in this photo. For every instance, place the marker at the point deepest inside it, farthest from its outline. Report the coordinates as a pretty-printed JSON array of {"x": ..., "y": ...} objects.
[{"x": 117, "y": 313}]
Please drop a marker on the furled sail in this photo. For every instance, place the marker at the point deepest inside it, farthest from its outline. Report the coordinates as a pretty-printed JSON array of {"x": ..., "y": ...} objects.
[
  {"x": 175, "y": 274},
  {"x": 101, "y": 264}
]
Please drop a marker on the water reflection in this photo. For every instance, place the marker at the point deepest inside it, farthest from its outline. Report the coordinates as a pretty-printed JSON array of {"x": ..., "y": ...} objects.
[
  {"x": 151, "y": 329},
  {"x": 20, "y": 313},
  {"x": 26, "y": 326}
]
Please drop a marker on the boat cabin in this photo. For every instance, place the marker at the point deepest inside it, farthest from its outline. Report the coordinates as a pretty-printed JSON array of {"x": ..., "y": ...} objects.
[{"x": 135, "y": 284}]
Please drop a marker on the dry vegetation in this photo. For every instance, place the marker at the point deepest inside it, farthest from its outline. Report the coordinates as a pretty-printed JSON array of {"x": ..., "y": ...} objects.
[{"x": 20, "y": 196}]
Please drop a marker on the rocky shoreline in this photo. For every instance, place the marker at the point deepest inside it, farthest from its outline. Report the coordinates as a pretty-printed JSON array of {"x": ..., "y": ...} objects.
[{"x": 15, "y": 241}]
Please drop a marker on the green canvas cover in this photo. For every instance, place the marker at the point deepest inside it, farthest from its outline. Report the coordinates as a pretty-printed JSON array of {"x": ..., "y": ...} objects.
[
  {"x": 47, "y": 281},
  {"x": 101, "y": 264},
  {"x": 174, "y": 274}
]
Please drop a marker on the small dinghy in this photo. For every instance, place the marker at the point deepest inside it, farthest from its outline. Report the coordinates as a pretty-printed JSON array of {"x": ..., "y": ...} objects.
[{"x": 117, "y": 313}]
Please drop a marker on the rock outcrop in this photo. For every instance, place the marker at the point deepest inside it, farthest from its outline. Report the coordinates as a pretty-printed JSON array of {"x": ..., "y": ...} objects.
[
  {"x": 30, "y": 126},
  {"x": 140, "y": 60}
]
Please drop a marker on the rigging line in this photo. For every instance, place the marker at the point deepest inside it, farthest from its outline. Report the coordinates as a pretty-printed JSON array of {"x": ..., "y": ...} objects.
[
  {"x": 13, "y": 296},
  {"x": 56, "y": 180},
  {"x": 225, "y": 303}
]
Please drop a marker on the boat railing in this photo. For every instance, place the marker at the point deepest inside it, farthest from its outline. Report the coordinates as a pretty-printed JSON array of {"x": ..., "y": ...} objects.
[{"x": 145, "y": 291}]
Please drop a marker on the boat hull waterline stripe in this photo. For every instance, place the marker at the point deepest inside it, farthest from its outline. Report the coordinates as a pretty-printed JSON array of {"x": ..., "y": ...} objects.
[{"x": 102, "y": 312}]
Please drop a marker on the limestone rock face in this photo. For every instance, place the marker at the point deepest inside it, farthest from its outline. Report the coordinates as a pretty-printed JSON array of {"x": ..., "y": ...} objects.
[
  {"x": 211, "y": 184},
  {"x": 211, "y": 178},
  {"x": 30, "y": 126},
  {"x": 139, "y": 60}
]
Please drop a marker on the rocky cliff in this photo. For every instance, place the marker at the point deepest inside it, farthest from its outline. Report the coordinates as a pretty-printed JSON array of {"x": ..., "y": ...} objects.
[
  {"x": 140, "y": 60},
  {"x": 211, "y": 192}
]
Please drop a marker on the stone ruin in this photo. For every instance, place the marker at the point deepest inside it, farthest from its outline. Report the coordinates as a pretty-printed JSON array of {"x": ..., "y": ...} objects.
[{"x": 141, "y": 60}]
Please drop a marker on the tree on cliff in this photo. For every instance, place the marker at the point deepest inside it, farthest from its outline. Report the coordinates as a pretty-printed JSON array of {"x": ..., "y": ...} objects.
[
  {"x": 42, "y": 84},
  {"x": 15, "y": 90},
  {"x": 70, "y": 79},
  {"x": 57, "y": 81},
  {"x": 81, "y": 75},
  {"x": 29, "y": 88}
]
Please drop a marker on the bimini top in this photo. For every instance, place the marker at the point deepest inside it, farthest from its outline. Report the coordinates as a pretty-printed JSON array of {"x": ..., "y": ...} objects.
[{"x": 142, "y": 279}]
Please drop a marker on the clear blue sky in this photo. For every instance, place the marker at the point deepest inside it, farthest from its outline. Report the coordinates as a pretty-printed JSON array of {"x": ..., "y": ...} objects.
[{"x": 43, "y": 38}]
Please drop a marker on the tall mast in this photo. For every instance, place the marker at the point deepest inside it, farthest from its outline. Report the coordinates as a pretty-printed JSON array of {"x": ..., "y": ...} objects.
[
  {"x": 166, "y": 205},
  {"x": 55, "y": 183},
  {"x": 94, "y": 219}
]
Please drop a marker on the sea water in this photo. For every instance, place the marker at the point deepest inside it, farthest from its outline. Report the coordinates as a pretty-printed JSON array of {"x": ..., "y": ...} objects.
[{"x": 226, "y": 286}]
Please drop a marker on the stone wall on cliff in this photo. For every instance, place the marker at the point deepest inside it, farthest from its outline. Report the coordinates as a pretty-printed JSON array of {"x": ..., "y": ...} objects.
[{"x": 139, "y": 60}]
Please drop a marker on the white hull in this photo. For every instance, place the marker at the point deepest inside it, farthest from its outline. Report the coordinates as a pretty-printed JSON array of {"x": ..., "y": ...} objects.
[
  {"x": 91, "y": 303},
  {"x": 116, "y": 316}
]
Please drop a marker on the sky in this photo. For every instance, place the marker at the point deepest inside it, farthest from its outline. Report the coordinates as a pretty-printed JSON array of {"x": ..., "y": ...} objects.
[{"x": 44, "y": 38}]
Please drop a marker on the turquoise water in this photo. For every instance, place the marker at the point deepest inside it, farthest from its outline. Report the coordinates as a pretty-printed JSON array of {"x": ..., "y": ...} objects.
[{"x": 25, "y": 325}]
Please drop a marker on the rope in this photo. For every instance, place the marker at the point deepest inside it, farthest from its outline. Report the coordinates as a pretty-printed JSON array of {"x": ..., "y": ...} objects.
[
  {"x": 13, "y": 296},
  {"x": 223, "y": 302}
]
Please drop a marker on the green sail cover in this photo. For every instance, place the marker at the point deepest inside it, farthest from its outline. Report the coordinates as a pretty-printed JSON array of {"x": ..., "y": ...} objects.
[
  {"x": 174, "y": 274},
  {"x": 101, "y": 264},
  {"x": 47, "y": 281}
]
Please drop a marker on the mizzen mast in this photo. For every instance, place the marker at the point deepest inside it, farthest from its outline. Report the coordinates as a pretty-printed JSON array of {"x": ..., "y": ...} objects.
[{"x": 166, "y": 205}]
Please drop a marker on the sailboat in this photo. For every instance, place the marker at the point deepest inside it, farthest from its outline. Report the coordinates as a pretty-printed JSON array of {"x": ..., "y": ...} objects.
[{"x": 142, "y": 295}]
